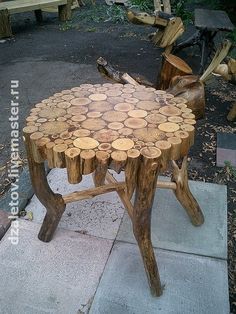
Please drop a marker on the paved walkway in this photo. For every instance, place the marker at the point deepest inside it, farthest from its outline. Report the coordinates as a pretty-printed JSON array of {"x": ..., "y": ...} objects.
[{"x": 93, "y": 265}]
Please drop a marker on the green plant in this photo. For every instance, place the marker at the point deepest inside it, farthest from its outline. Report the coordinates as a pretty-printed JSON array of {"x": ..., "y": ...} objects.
[
  {"x": 65, "y": 26},
  {"x": 179, "y": 8},
  {"x": 116, "y": 14},
  {"x": 231, "y": 171},
  {"x": 142, "y": 5}
]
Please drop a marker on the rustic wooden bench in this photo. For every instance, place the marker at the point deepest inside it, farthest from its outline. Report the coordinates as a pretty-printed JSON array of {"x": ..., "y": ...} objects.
[{"x": 11, "y": 7}]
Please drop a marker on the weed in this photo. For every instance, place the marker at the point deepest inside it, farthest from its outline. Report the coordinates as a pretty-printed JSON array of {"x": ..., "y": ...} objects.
[
  {"x": 66, "y": 26},
  {"x": 142, "y": 5},
  {"x": 230, "y": 170}
]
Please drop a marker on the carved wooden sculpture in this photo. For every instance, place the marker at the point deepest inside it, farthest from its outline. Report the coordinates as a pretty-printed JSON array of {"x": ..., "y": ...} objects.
[{"x": 93, "y": 128}]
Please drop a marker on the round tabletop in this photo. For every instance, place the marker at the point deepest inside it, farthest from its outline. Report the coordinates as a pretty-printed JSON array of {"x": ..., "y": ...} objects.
[{"x": 112, "y": 118}]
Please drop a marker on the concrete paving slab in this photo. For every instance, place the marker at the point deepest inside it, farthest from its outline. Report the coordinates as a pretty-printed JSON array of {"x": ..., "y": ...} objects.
[
  {"x": 193, "y": 284},
  {"x": 172, "y": 230},
  {"x": 57, "y": 277},
  {"x": 100, "y": 216}
]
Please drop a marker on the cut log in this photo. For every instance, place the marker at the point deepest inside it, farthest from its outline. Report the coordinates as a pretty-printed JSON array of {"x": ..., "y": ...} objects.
[
  {"x": 72, "y": 156},
  {"x": 221, "y": 53},
  {"x": 172, "y": 66},
  {"x": 131, "y": 169},
  {"x": 102, "y": 162},
  {"x": 64, "y": 11},
  {"x": 119, "y": 159},
  {"x": 87, "y": 158},
  {"x": 59, "y": 155},
  {"x": 5, "y": 24},
  {"x": 192, "y": 90}
]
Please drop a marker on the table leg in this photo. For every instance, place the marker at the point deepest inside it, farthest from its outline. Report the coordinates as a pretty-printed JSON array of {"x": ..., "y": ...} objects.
[
  {"x": 184, "y": 195},
  {"x": 145, "y": 191},
  {"x": 53, "y": 202}
]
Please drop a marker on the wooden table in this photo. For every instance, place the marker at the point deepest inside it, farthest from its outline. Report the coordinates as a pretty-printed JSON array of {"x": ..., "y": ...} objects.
[
  {"x": 93, "y": 128},
  {"x": 208, "y": 23}
]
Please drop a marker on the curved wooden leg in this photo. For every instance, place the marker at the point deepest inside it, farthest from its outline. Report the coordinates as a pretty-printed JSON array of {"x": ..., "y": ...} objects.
[
  {"x": 53, "y": 202},
  {"x": 184, "y": 195},
  {"x": 146, "y": 186}
]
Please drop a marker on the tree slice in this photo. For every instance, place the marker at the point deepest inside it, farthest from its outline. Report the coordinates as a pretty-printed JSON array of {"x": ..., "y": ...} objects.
[
  {"x": 81, "y": 94},
  {"x": 149, "y": 134},
  {"x": 67, "y": 97},
  {"x": 127, "y": 96},
  {"x": 77, "y": 110},
  {"x": 85, "y": 143},
  {"x": 65, "y": 92},
  {"x": 114, "y": 116},
  {"x": 150, "y": 152},
  {"x": 72, "y": 156},
  {"x": 102, "y": 89},
  {"x": 104, "y": 146},
  {"x": 94, "y": 114},
  {"x": 61, "y": 119},
  {"x": 65, "y": 135},
  {"x": 179, "y": 100},
  {"x": 41, "y": 120},
  {"x": 53, "y": 127},
  {"x": 31, "y": 118},
  {"x": 106, "y": 135},
  {"x": 190, "y": 121},
  {"x": 168, "y": 127},
  {"x": 49, "y": 113},
  {"x": 93, "y": 124},
  {"x": 170, "y": 111},
  {"x": 115, "y": 125},
  {"x": 59, "y": 141},
  {"x": 148, "y": 105},
  {"x": 128, "y": 90},
  {"x": 113, "y": 92},
  {"x": 101, "y": 106},
  {"x": 143, "y": 95},
  {"x": 188, "y": 116},
  {"x": 137, "y": 113},
  {"x": 125, "y": 131},
  {"x": 81, "y": 133},
  {"x": 80, "y": 101},
  {"x": 175, "y": 119},
  {"x": 122, "y": 144},
  {"x": 135, "y": 123},
  {"x": 59, "y": 155},
  {"x": 98, "y": 97},
  {"x": 115, "y": 100},
  {"x": 124, "y": 107},
  {"x": 78, "y": 118},
  {"x": 132, "y": 100},
  {"x": 160, "y": 92},
  {"x": 156, "y": 118},
  {"x": 63, "y": 105},
  {"x": 169, "y": 134},
  {"x": 186, "y": 110}
]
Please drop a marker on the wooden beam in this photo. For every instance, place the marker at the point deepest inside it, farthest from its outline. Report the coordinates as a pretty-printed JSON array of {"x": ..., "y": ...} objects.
[
  {"x": 166, "y": 185},
  {"x": 90, "y": 193},
  {"x": 123, "y": 196}
]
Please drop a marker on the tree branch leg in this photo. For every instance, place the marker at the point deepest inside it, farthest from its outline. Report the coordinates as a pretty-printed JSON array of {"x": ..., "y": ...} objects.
[
  {"x": 146, "y": 184},
  {"x": 53, "y": 202},
  {"x": 184, "y": 195}
]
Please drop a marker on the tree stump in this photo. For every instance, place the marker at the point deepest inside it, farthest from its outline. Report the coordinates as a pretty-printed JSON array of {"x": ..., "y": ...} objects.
[
  {"x": 5, "y": 24},
  {"x": 172, "y": 66}
]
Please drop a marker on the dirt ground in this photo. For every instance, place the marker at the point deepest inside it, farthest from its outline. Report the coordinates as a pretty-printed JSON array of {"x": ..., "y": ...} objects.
[{"x": 53, "y": 56}]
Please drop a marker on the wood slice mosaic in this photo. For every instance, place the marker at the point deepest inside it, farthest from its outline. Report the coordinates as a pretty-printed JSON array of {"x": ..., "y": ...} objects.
[{"x": 71, "y": 127}]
